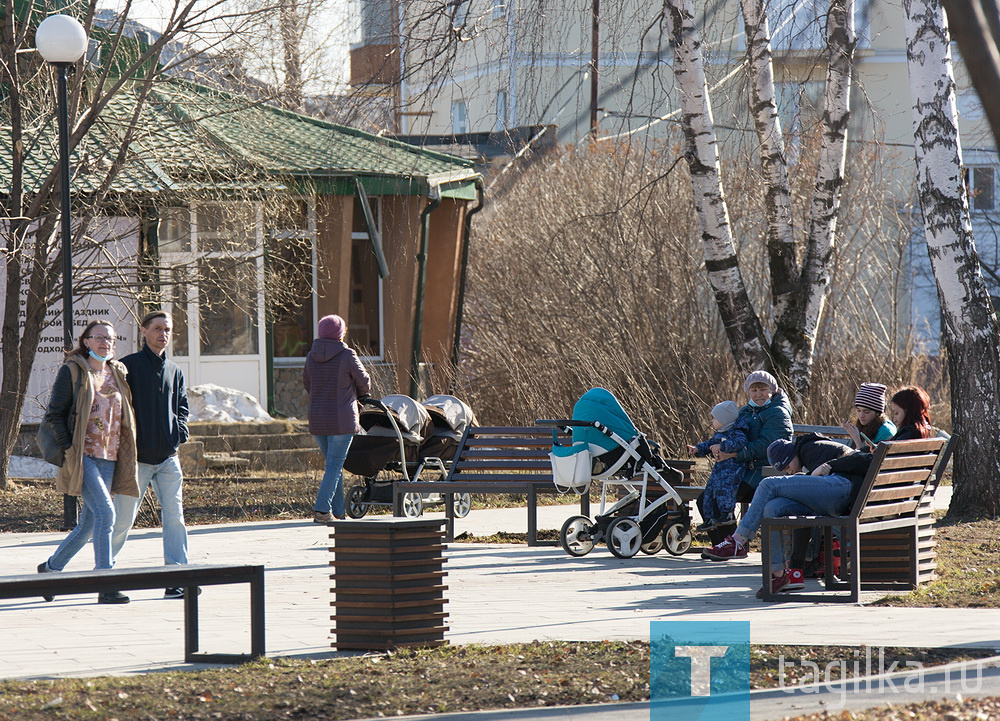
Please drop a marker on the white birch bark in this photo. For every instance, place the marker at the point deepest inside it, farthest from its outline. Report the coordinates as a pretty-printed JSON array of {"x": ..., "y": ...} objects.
[
  {"x": 795, "y": 339},
  {"x": 742, "y": 326},
  {"x": 970, "y": 325},
  {"x": 774, "y": 164}
]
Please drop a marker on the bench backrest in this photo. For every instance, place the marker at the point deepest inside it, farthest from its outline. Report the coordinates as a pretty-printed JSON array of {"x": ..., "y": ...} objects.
[
  {"x": 830, "y": 431},
  {"x": 900, "y": 473},
  {"x": 519, "y": 453}
]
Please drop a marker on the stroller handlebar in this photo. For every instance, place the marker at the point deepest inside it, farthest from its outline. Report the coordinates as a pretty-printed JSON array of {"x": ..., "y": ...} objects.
[{"x": 373, "y": 402}]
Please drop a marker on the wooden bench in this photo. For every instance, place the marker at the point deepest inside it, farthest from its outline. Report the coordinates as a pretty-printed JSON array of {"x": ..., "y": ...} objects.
[
  {"x": 888, "y": 571},
  {"x": 882, "y": 545},
  {"x": 492, "y": 459},
  {"x": 188, "y": 577}
]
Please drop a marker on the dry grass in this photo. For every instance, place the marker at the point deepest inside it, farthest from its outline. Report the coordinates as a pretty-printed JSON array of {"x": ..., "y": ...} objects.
[{"x": 447, "y": 679}]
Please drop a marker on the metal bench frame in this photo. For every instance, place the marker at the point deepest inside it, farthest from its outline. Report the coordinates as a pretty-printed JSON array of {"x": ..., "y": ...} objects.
[{"x": 188, "y": 577}]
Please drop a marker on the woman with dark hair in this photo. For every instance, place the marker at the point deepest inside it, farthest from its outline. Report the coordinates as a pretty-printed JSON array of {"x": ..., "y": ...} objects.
[
  {"x": 90, "y": 409},
  {"x": 911, "y": 412}
]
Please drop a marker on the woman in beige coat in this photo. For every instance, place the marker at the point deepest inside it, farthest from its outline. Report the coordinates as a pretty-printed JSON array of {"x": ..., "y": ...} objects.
[{"x": 90, "y": 409}]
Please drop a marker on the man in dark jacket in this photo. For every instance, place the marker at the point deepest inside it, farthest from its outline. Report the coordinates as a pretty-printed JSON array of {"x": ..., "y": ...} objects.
[{"x": 161, "y": 412}]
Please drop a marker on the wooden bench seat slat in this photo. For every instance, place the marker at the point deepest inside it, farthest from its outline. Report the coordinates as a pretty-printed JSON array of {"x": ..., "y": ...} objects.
[
  {"x": 898, "y": 478},
  {"x": 921, "y": 460},
  {"x": 881, "y": 510},
  {"x": 508, "y": 453},
  {"x": 893, "y": 492},
  {"x": 506, "y": 464}
]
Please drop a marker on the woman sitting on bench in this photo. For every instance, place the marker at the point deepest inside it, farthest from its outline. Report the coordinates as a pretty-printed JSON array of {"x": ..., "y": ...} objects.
[{"x": 836, "y": 477}]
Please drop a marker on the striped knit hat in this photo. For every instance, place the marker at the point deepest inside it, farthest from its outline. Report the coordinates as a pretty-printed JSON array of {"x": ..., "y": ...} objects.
[{"x": 871, "y": 396}]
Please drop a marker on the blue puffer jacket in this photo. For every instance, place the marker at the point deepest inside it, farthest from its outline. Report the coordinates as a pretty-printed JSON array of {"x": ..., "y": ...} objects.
[{"x": 765, "y": 425}]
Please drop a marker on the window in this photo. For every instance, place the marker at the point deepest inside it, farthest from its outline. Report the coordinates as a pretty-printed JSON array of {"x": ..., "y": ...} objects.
[
  {"x": 501, "y": 123},
  {"x": 227, "y": 306},
  {"x": 376, "y": 22},
  {"x": 461, "y": 14},
  {"x": 981, "y": 180},
  {"x": 364, "y": 313},
  {"x": 459, "y": 117},
  {"x": 290, "y": 285},
  {"x": 212, "y": 270},
  {"x": 174, "y": 230}
]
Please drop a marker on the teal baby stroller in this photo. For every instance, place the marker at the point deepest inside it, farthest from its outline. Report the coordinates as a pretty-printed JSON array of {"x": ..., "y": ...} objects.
[{"x": 607, "y": 448}]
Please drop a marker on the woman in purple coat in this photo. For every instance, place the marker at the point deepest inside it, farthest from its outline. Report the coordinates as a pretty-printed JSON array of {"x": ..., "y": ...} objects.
[{"x": 334, "y": 379}]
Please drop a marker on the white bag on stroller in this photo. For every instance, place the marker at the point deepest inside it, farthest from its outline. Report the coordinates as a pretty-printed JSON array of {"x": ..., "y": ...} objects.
[{"x": 571, "y": 468}]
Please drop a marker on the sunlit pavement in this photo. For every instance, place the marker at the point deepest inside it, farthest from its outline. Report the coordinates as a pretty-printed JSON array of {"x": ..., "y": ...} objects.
[{"x": 496, "y": 594}]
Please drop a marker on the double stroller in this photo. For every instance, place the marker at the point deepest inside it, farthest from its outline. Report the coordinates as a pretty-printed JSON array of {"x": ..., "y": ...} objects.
[
  {"x": 401, "y": 440},
  {"x": 606, "y": 447}
]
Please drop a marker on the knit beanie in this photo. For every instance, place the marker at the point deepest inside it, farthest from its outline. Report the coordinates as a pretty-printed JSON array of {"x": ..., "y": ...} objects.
[
  {"x": 761, "y": 377},
  {"x": 725, "y": 413},
  {"x": 332, "y": 327},
  {"x": 871, "y": 396},
  {"x": 780, "y": 453}
]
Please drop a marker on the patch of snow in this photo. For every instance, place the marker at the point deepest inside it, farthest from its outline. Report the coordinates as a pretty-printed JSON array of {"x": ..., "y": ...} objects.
[
  {"x": 28, "y": 467},
  {"x": 209, "y": 402}
]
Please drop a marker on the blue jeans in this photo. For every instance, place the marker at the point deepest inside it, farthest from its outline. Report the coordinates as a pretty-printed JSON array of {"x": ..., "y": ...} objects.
[
  {"x": 96, "y": 517},
  {"x": 166, "y": 479},
  {"x": 330, "y": 498},
  {"x": 780, "y": 496}
]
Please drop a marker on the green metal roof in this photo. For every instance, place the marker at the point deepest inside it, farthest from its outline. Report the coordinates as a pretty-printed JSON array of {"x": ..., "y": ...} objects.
[{"x": 190, "y": 138}]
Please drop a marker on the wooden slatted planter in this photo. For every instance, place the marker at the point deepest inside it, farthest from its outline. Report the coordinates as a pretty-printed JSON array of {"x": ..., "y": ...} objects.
[{"x": 388, "y": 583}]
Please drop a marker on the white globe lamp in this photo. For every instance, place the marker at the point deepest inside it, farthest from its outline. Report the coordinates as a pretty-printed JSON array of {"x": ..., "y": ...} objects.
[{"x": 61, "y": 39}]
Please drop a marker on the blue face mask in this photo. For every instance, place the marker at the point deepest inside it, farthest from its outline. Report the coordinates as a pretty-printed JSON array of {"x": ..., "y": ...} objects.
[
  {"x": 755, "y": 404},
  {"x": 103, "y": 359}
]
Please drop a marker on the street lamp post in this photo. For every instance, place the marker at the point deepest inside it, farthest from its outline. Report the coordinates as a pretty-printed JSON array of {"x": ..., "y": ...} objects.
[{"x": 62, "y": 41}]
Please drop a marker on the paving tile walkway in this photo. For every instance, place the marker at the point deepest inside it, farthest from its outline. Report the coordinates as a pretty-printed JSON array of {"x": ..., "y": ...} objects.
[{"x": 497, "y": 594}]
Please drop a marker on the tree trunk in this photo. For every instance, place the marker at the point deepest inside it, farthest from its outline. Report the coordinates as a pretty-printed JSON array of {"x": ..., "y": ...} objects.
[
  {"x": 795, "y": 337},
  {"x": 971, "y": 332},
  {"x": 774, "y": 164},
  {"x": 291, "y": 37},
  {"x": 742, "y": 326}
]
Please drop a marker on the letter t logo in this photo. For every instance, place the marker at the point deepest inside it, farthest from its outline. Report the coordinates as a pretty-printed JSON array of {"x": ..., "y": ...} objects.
[{"x": 701, "y": 665}]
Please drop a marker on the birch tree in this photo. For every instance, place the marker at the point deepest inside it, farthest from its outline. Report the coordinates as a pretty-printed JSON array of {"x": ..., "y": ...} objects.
[
  {"x": 743, "y": 328},
  {"x": 970, "y": 329},
  {"x": 798, "y": 289}
]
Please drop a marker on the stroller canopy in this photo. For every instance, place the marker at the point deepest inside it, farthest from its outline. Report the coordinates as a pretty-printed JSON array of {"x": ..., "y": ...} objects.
[
  {"x": 599, "y": 404},
  {"x": 450, "y": 412},
  {"x": 411, "y": 417}
]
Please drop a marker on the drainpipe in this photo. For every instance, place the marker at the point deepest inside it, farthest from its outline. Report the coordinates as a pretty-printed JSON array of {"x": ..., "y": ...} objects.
[
  {"x": 418, "y": 321},
  {"x": 460, "y": 304}
]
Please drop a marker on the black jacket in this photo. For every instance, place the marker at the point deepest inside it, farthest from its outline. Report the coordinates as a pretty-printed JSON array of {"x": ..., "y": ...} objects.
[
  {"x": 854, "y": 466},
  {"x": 160, "y": 402}
]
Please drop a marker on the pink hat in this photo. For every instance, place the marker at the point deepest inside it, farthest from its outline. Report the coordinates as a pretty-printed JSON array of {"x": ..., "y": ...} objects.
[{"x": 332, "y": 327}]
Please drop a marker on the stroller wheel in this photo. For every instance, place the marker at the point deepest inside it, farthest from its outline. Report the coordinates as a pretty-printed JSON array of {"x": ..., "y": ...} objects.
[
  {"x": 413, "y": 505},
  {"x": 653, "y": 545},
  {"x": 462, "y": 505},
  {"x": 624, "y": 537},
  {"x": 577, "y": 536},
  {"x": 677, "y": 538},
  {"x": 356, "y": 507}
]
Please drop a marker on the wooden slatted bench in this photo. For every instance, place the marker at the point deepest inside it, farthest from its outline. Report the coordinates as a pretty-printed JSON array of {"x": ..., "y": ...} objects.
[
  {"x": 188, "y": 577},
  {"x": 880, "y": 544},
  {"x": 494, "y": 459},
  {"x": 881, "y": 536}
]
